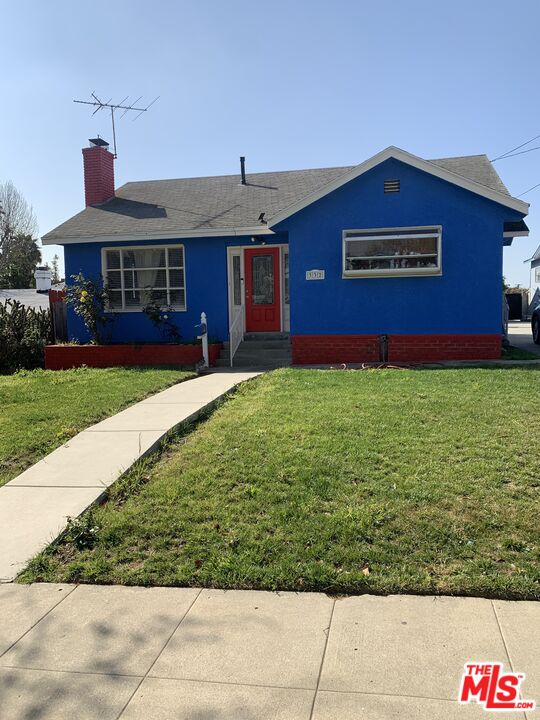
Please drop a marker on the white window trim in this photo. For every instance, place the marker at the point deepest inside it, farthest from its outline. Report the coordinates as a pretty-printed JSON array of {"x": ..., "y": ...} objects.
[
  {"x": 396, "y": 272},
  {"x": 120, "y": 248}
]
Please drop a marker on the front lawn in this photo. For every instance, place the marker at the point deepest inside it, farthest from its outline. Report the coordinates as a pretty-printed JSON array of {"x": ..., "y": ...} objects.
[
  {"x": 41, "y": 409},
  {"x": 419, "y": 481}
]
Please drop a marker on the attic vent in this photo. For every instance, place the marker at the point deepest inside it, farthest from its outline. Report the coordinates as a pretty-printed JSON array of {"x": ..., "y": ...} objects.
[{"x": 391, "y": 186}]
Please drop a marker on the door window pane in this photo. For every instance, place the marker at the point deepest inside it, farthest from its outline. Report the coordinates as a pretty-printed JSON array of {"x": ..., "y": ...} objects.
[
  {"x": 237, "y": 286},
  {"x": 262, "y": 269},
  {"x": 286, "y": 277}
]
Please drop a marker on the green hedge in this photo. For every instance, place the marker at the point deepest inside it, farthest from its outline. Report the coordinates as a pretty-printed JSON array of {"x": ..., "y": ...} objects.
[{"x": 24, "y": 332}]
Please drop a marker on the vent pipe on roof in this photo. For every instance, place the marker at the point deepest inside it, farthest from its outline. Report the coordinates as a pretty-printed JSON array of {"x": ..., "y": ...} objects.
[{"x": 243, "y": 169}]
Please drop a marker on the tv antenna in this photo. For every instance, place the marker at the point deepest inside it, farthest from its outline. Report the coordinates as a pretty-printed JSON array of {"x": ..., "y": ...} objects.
[{"x": 124, "y": 105}]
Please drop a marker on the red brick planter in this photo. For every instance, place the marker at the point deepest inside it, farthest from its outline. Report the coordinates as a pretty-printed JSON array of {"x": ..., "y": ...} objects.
[{"x": 63, "y": 357}]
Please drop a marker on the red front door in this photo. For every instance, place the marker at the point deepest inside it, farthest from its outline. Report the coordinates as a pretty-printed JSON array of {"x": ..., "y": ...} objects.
[{"x": 263, "y": 309}]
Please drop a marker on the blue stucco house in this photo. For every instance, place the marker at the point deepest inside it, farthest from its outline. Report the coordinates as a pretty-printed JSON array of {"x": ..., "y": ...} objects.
[{"x": 397, "y": 258}]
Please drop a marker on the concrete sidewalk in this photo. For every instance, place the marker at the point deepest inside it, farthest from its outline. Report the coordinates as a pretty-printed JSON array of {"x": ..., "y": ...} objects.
[
  {"x": 34, "y": 506},
  {"x": 92, "y": 652},
  {"x": 520, "y": 336}
]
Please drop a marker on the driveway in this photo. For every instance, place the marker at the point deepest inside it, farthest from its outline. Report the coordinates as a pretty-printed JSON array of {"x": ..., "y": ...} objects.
[{"x": 520, "y": 336}]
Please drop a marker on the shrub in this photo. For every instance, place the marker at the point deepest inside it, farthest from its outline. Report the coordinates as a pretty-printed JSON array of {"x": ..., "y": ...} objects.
[
  {"x": 24, "y": 332},
  {"x": 160, "y": 317}
]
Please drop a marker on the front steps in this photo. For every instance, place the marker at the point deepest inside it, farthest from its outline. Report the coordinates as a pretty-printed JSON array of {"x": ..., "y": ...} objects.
[{"x": 261, "y": 350}]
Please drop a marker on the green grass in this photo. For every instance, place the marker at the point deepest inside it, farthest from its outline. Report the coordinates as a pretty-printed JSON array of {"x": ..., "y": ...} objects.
[
  {"x": 41, "y": 409},
  {"x": 515, "y": 353},
  {"x": 420, "y": 481}
]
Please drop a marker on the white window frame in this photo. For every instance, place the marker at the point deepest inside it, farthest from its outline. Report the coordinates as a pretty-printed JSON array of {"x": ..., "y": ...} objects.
[
  {"x": 398, "y": 233},
  {"x": 121, "y": 248}
]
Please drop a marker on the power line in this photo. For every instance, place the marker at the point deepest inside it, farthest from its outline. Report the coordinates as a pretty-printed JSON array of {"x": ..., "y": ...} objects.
[
  {"x": 529, "y": 190},
  {"x": 518, "y": 147},
  {"x": 522, "y": 152}
]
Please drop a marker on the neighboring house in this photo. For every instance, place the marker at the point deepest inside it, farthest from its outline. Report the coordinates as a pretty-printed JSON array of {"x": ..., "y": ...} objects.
[
  {"x": 534, "y": 293},
  {"x": 26, "y": 296},
  {"x": 398, "y": 257},
  {"x": 38, "y": 297}
]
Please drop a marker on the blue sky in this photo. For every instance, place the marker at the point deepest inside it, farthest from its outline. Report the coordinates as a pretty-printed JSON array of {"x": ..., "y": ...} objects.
[{"x": 290, "y": 84}]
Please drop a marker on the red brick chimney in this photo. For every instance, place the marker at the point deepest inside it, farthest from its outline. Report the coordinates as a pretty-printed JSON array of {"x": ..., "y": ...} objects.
[{"x": 98, "y": 172}]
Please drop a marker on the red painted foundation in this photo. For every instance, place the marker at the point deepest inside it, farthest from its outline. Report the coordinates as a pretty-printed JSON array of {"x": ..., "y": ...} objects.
[
  {"x": 334, "y": 349},
  {"x": 328, "y": 349},
  {"x": 63, "y": 357},
  {"x": 411, "y": 348}
]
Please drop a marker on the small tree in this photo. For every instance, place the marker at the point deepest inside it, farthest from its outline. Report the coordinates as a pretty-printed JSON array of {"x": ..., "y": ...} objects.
[
  {"x": 55, "y": 272},
  {"x": 89, "y": 299},
  {"x": 16, "y": 215},
  {"x": 18, "y": 260},
  {"x": 19, "y": 251}
]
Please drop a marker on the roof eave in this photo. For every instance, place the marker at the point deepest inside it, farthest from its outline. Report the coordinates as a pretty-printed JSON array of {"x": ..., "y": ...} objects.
[
  {"x": 395, "y": 153},
  {"x": 51, "y": 239}
]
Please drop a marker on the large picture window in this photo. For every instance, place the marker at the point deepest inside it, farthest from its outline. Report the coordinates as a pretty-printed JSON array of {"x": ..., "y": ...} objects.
[
  {"x": 136, "y": 275},
  {"x": 392, "y": 251}
]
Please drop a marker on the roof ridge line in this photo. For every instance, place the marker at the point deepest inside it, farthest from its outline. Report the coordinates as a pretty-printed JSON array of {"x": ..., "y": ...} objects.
[{"x": 233, "y": 175}]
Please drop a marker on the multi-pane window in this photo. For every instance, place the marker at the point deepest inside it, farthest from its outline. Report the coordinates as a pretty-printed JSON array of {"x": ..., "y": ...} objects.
[
  {"x": 537, "y": 275},
  {"x": 386, "y": 252},
  {"x": 134, "y": 276}
]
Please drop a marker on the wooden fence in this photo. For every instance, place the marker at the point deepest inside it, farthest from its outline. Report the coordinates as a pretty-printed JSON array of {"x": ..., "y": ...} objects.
[{"x": 57, "y": 301}]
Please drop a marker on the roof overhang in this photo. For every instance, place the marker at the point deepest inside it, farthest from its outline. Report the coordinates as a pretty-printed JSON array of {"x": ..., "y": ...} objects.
[
  {"x": 176, "y": 235},
  {"x": 514, "y": 229},
  {"x": 534, "y": 258},
  {"x": 414, "y": 161}
]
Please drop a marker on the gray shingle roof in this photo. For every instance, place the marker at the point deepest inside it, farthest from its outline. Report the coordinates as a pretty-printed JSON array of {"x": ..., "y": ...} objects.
[{"x": 222, "y": 203}]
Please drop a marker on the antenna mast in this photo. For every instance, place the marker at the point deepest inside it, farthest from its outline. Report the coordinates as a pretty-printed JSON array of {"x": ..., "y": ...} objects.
[{"x": 99, "y": 105}]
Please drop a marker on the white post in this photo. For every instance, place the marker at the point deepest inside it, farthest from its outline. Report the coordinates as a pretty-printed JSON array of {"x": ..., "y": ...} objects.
[{"x": 204, "y": 338}]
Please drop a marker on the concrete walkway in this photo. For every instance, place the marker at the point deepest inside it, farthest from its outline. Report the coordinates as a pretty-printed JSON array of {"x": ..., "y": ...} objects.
[
  {"x": 34, "y": 506},
  {"x": 520, "y": 335},
  {"x": 92, "y": 652}
]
